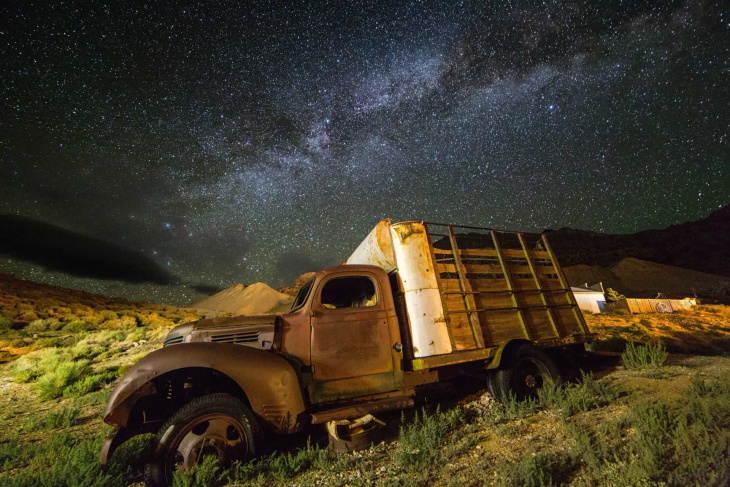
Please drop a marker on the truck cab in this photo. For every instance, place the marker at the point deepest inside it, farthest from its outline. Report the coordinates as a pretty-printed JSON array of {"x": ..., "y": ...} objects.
[{"x": 344, "y": 330}]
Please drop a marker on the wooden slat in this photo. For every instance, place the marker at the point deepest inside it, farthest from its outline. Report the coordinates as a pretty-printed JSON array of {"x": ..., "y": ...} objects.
[
  {"x": 508, "y": 279},
  {"x": 512, "y": 253},
  {"x": 564, "y": 283},
  {"x": 466, "y": 287},
  {"x": 519, "y": 269},
  {"x": 489, "y": 285},
  {"x": 450, "y": 268},
  {"x": 540, "y": 269},
  {"x": 478, "y": 252},
  {"x": 551, "y": 320},
  {"x": 483, "y": 269},
  {"x": 494, "y": 269},
  {"x": 501, "y": 326},
  {"x": 493, "y": 301}
]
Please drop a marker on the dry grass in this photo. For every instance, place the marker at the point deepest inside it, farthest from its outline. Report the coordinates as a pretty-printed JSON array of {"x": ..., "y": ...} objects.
[{"x": 704, "y": 329}]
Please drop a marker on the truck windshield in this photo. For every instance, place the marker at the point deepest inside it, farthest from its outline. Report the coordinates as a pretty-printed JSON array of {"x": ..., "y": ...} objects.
[{"x": 302, "y": 295}]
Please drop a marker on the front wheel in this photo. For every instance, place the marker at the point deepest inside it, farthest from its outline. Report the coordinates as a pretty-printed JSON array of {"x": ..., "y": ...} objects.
[
  {"x": 217, "y": 424},
  {"x": 527, "y": 372}
]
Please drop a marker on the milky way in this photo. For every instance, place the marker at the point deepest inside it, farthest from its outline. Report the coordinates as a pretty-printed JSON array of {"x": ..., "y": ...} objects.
[{"x": 249, "y": 142}]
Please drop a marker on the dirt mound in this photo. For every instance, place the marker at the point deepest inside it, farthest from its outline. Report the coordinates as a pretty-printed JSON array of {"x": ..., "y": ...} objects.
[
  {"x": 239, "y": 299},
  {"x": 639, "y": 278}
]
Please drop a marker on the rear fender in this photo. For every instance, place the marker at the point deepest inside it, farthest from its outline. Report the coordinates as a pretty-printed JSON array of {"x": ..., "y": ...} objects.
[
  {"x": 504, "y": 353},
  {"x": 269, "y": 382}
]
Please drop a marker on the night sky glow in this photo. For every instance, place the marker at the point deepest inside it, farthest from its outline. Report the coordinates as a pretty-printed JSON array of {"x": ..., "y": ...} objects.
[{"x": 248, "y": 142}]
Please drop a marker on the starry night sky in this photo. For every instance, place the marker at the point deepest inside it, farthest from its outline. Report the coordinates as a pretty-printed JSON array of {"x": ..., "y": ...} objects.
[{"x": 249, "y": 141}]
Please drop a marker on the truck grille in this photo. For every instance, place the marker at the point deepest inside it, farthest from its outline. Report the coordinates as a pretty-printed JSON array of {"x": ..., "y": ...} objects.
[
  {"x": 173, "y": 340},
  {"x": 236, "y": 337}
]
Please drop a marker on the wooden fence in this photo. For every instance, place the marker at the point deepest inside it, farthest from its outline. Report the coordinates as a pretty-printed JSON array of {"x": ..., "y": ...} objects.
[{"x": 651, "y": 305}]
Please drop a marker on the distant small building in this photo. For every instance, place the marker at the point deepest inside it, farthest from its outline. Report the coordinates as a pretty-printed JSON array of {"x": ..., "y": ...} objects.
[{"x": 590, "y": 298}]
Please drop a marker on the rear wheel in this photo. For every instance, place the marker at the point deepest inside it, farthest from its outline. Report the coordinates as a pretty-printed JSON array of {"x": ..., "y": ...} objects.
[
  {"x": 525, "y": 374},
  {"x": 217, "y": 424}
]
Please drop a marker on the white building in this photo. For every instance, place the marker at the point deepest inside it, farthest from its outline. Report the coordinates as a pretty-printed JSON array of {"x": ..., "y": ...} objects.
[{"x": 590, "y": 298}]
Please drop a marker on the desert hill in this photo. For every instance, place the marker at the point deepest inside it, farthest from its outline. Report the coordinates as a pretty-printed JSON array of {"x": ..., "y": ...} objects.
[
  {"x": 239, "y": 299},
  {"x": 703, "y": 245},
  {"x": 23, "y": 302},
  {"x": 642, "y": 279}
]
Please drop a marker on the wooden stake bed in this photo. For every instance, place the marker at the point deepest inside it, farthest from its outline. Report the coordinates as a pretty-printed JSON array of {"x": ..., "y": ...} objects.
[{"x": 498, "y": 286}]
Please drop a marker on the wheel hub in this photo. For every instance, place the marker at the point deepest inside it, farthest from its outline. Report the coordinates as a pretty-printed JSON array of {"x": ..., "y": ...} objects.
[{"x": 218, "y": 435}]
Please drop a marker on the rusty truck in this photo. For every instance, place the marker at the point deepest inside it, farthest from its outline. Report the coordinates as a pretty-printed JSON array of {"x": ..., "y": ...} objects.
[{"x": 415, "y": 304}]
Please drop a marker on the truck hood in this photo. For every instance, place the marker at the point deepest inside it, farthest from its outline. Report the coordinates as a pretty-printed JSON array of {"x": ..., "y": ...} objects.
[{"x": 252, "y": 331}]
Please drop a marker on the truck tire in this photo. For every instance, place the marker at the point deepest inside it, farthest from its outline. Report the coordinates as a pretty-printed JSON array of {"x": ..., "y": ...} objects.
[
  {"x": 216, "y": 424},
  {"x": 525, "y": 373}
]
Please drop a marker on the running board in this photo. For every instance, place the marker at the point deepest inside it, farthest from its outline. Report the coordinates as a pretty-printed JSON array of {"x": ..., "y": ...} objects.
[{"x": 358, "y": 410}]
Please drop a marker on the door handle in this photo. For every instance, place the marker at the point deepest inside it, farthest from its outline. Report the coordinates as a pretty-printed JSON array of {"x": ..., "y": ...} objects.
[{"x": 398, "y": 347}]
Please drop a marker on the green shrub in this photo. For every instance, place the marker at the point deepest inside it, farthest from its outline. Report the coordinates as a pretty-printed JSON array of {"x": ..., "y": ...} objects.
[
  {"x": 63, "y": 419},
  {"x": 285, "y": 466},
  {"x": 612, "y": 295},
  {"x": 639, "y": 331},
  {"x": 531, "y": 470},
  {"x": 137, "y": 334},
  {"x": 421, "y": 440},
  {"x": 510, "y": 407},
  {"x": 281, "y": 466},
  {"x": 108, "y": 315},
  {"x": 133, "y": 453},
  {"x": 94, "y": 398},
  {"x": 11, "y": 452},
  {"x": 643, "y": 356},
  {"x": 87, "y": 349},
  {"x": 76, "y": 326},
  {"x": 46, "y": 324},
  {"x": 61, "y": 461},
  {"x": 206, "y": 474},
  {"x": 90, "y": 383},
  {"x": 5, "y": 323},
  {"x": 586, "y": 395},
  {"x": 49, "y": 342},
  {"x": 653, "y": 424},
  {"x": 34, "y": 364},
  {"x": 53, "y": 383}
]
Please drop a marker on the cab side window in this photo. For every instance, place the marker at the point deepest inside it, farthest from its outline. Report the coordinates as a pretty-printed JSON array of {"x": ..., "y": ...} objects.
[{"x": 349, "y": 292}]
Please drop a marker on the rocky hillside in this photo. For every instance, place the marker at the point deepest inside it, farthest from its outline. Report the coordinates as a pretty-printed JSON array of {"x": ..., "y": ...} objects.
[
  {"x": 292, "y": 290},
  {"x": 642, "y": 279},
  {"x": 41, "y": 315},
  {"x": 703, "y": 245}
]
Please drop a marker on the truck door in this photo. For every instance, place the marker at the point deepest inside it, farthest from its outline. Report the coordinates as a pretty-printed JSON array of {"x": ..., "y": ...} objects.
[{"x": 352, "y": 338}]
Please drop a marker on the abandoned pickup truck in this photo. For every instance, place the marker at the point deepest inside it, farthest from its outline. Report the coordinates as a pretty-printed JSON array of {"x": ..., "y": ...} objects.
[{"x": 416, "y": 303}]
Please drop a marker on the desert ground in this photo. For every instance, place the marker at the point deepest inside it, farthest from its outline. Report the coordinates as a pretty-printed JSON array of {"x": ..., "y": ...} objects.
[{"x": 660, "y": 416}]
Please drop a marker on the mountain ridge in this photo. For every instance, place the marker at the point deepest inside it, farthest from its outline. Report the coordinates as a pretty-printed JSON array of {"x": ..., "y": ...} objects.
[{"x": 702, "y": 245}]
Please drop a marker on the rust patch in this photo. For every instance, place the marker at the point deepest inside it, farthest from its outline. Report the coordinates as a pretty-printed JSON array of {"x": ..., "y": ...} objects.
[
  {"x": 382, "y": 235},
  {"x": 407, "y": 230},
  {"x": 440, "y": 319}
]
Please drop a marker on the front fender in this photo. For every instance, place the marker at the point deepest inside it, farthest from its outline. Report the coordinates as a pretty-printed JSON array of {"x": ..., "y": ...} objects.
[{"x": 268, "y": 380}]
